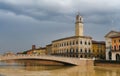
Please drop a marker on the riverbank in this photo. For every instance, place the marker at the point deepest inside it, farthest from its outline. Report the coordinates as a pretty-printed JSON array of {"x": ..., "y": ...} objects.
[{"x": 106, "y": 63}]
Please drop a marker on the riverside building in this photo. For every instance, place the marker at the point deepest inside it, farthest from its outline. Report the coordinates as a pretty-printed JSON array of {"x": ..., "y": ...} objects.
[
  {"x": 108, "y": 41},
  {"x": 74, "y": 46},
  {"x": 98, "y": 49},
  {"x": 116, "y": 47},
  {"x": 36, "y": 51}
]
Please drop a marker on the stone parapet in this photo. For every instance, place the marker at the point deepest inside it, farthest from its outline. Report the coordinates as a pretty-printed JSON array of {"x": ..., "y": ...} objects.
[{"x": 68, "y": 60}]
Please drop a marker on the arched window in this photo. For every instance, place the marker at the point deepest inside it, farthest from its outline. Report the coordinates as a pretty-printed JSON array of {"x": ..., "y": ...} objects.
[
  {"x": 85, "y": 43},
  {"x": 89, "y": 50},
  {"x": 85, "y": 56},
  {"x": 77, "y": 50},
  {"x": 67, "y": 50},
  {"x": 71, "y": 50},
  {"x": 110, "y": 55},
  {"x": 88, "y": 43},
  {"x": 73, "y": 42},
  {"x": 80, "y": 42},
  {"x": 67, "y": 43},
  {"x": 62, "y": 44},
  {"x": 85, "y": 50},
  {"x": 114, "y": 41},
  {"x": 76, "y": 42},
  {"x": 81, "y": 50},
  {"x": 117, "y": 57},
  {"x": 81, "y": 56},
  {"x": 70, "y": 42}
]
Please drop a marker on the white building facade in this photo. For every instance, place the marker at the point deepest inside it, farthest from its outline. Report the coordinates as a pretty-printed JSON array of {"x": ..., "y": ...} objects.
[{"x": 74, "y": 46}]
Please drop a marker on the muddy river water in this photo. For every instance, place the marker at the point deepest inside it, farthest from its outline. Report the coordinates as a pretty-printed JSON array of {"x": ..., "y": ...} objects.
[{"x": 19, "y": 69}]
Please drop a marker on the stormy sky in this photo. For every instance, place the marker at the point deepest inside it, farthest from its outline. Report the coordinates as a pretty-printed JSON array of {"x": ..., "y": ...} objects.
[{"x": 27, "y": 22}]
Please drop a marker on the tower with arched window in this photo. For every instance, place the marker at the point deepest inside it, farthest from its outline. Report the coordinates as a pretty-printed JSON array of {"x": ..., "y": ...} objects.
[{"x": 79, "y": 26}]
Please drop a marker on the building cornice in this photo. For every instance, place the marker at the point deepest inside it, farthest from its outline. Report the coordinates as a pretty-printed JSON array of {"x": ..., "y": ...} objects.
[{"x": 72, "y": 37}]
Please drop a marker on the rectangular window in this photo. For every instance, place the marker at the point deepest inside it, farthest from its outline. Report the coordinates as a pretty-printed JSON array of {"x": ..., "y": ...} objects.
[
  {"x": 67, "y": 43},
  {"x": 115, "y": 48},
  {"x": 114, "y": 41},
  {"x": 89, "y": 50},
  {"x": 119, "y": 47},
  {"x": 60, "y": 44},
  {"x": 64, "y": 44},
  {"x": 70, "y": 43},
  {"x": 73, "y": 42},
  {"x": 85, "y": 50},
  {"x": 98, "y": 50},
  {"x": 85, "y": 43}
]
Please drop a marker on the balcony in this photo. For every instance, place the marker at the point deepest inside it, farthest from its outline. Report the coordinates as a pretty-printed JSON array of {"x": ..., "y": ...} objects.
[{"x": 116, "y": 50}]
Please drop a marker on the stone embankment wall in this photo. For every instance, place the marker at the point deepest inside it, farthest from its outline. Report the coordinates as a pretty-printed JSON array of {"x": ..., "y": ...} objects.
[{"x": 107, "y": 63}]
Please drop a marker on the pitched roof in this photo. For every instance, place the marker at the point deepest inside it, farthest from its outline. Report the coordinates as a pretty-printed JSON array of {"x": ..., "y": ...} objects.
[
  {"x": 98, "y": 42},
  {"x": 111, "y": 32}
]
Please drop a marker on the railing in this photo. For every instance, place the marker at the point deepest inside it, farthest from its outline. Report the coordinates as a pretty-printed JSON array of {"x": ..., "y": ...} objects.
[
  {"x": 35, "y": 55},
  {"x": 115, "y": 50},
  {"x": 69, "y": 60}
]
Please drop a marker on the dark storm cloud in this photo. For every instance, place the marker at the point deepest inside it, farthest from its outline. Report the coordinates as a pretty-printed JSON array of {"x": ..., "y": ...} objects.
[
  {"x": 34, "y": 12},
  {"x": 41, "y": 11},
  {"x": 98, "y": 12}
]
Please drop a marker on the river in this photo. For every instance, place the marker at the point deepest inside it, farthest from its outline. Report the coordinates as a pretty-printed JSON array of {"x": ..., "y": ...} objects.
[{"x": 19, "y": 69}]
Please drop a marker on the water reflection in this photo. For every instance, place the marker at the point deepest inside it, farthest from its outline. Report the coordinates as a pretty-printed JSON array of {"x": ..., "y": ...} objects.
[
  {"x": 76, "y": 71},
  {"x": 107, "y": 71},
  {"x": 30, "y": 65},
  {"x": 27, "y": 70}
]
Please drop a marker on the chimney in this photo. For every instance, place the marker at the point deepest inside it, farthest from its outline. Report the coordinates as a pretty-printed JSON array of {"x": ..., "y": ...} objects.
[{"x": 33, "y": 47}]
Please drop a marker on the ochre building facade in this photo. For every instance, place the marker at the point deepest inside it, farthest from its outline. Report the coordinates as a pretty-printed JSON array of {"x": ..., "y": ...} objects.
[
  {"x": 98, "y": 49},
  {"x": 116, "y": 47},
  {"x": 37, "y": 51},
  {"x": 109, "y": 40}
]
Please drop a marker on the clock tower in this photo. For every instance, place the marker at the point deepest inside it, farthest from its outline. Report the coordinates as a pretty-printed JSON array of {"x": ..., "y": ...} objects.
[{"x": 79, "y": 26}]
